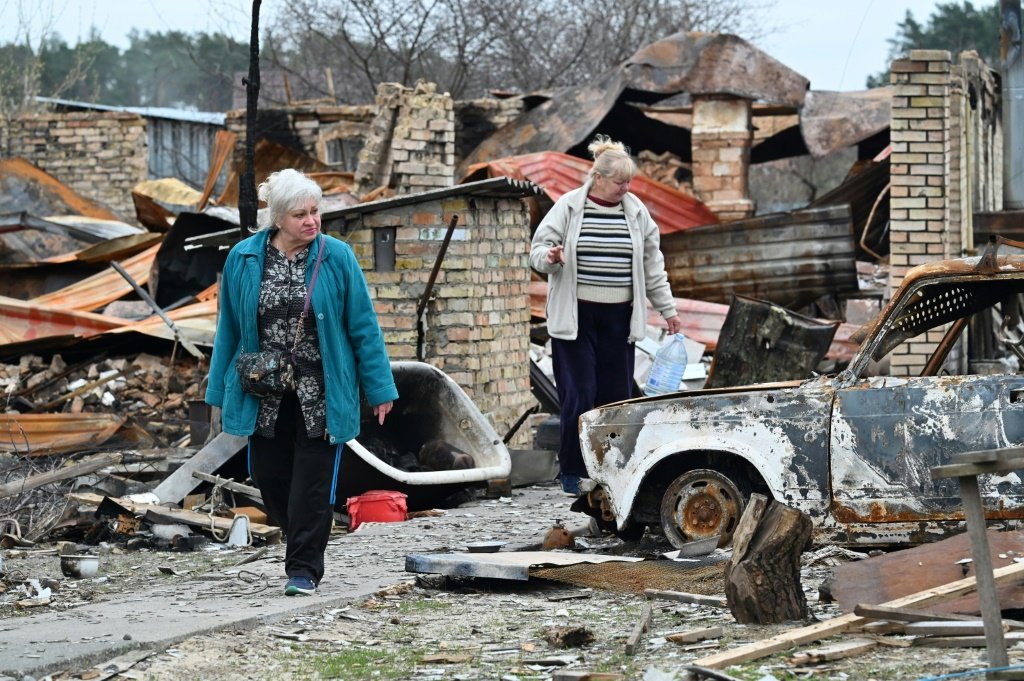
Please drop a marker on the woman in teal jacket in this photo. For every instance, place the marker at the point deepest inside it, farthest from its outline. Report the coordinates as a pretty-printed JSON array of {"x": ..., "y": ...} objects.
[{"x": 295, "y": 440}]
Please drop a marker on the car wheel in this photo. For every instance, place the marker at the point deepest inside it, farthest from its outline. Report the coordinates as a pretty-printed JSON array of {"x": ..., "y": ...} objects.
[{"x": 700, "y": 504}]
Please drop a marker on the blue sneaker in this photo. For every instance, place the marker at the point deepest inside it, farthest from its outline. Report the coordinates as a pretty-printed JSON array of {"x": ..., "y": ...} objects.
[
  {"x": 570, "y": 484},
  {"x": 299, "y": 586}
]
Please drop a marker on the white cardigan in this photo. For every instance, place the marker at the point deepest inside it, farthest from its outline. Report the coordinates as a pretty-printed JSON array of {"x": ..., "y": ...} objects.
[{"x": 562, "y": 226}]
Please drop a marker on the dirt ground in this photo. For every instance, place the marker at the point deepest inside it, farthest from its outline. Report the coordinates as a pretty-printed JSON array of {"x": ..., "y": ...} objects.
[{"x": 426, "y": 627}]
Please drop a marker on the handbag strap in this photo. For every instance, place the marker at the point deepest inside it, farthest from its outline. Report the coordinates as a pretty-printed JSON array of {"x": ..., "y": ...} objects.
[{"x": 309, "y": 296}]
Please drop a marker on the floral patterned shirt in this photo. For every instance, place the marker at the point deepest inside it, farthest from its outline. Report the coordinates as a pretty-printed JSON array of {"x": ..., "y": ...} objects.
[{"x": 282, "y": 294}]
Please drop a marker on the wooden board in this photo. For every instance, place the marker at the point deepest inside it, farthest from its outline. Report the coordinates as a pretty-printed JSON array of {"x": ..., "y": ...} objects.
[
  {"x": 832, "y": 627},
  {"x": 893, "y": 575}
]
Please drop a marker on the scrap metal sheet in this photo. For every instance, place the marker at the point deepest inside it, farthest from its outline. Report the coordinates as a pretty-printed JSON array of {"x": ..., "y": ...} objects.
[
  {"x": 787, "y": 258},
  {"x": 43, "y": 434},
  {"x": 24, "y": 321},
  {"x": 197, "y": 322},
  {"x": 103, "y": 288},
  {"x": 26, "y": 187}
]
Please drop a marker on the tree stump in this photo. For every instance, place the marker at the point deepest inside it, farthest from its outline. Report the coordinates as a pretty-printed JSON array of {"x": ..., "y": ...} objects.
[{"x": 762, "y": 581}]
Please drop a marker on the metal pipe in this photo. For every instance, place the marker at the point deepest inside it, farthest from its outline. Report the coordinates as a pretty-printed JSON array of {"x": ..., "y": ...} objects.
[{"x": 1012, "y": 70}]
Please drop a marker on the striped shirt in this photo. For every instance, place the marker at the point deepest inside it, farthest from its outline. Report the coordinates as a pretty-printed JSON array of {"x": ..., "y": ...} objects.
[{"x": 604, "y": 255}]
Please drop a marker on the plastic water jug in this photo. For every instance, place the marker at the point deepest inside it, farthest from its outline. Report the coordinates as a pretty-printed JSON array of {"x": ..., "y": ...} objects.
[{"x": 669, "y": 365}]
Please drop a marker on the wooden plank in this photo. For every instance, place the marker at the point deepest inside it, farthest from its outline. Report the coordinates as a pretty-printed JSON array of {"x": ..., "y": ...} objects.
[
  {"x": 683, "y": 597},
  {"x": 950, "y": 628},
  {"x": 836, "y": 651},
  {"x": 962, "y": 641},
  {"x": 832, "y": 627},
  {"x": 642, "y": 625},
  {"x": 694, "y": 635},
  {"x": 65, "y": 473},
  {"x": 991, "y": 614},
  {"x": 208, "y": 459},
  {"x": 177, "y": 515},
  {"x": 748, "y": 523},
  {"x": 881, "y": 612},
  {"x": 896, "y": 574}
]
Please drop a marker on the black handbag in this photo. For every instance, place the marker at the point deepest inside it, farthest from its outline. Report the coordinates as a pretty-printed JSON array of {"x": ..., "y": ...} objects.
[{"x": 271, "y": 373}]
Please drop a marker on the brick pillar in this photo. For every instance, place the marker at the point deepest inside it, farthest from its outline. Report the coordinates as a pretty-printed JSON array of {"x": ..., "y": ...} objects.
[
  {"x": 721, "y": 139},
  {"x": 921, "y": 183},
  {"x": 411, "y": 145},
  {"x": 478, "y": 315}
]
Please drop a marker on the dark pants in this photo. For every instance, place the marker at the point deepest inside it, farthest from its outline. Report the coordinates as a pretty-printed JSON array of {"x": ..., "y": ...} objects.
[
  {"x": 594, "y": 369},
  {"x": 297, "y": 477}
]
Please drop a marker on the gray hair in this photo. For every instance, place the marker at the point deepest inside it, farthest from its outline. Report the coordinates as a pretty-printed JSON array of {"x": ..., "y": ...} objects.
[
  {"x": 286, "y": 190},
  {"x": 611, "y": 159}
]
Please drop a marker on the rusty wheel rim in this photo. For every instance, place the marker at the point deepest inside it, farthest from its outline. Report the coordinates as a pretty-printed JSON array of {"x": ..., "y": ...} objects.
[{"x": 698, "y": 505}]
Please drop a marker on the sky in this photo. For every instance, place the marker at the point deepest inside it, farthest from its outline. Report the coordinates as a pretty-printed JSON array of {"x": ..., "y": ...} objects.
[{"x": 836, "y": 44}]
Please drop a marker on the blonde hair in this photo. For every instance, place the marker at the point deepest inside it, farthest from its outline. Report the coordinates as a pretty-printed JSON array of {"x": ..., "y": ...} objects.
[
  {"x": 611, "y": 159},
  {"x": 286, "y": 190}
]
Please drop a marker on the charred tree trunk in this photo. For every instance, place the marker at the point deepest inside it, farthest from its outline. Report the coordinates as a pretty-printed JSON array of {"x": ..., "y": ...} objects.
[
  {"x": 762, "y": 582},
  {"x": 247, "y": 202}
]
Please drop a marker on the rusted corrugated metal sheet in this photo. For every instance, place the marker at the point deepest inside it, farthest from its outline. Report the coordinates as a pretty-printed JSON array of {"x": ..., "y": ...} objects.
[
  {"x": 703, "y": 321},
  {"x": 197, "y": 322},
  {"x": 558, "y": 173},
  {"x": 42, "y": 434},
  {"x": 698, "y": 63},
  {"x": 830, "y": 121},
  {"x": 23, "y": 321},
  {"x": 270, "y": 157},
  {"x": 25, "y": 187},
  {"x": 787, "y": 258},
  {"x": 103, "y": 288}
]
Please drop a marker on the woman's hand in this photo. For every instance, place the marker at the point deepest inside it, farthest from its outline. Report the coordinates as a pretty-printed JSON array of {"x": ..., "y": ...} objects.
[
  {"x": 675, "y": 325},
  {"x": 556, "y": 255},
  {"x": 382, "y": 410}
]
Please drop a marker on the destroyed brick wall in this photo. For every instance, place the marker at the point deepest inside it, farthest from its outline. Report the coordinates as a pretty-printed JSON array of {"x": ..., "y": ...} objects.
[
  {"x": 332, "y": 134},
  {"x": 478, "y": 317},
  {"x": 478, "y": 119},
  {"x": 411, "y": 145},
  {"x": 946, "y": 151},
  {"x": 721, "y": 140},
  {"x": 100, "y": 155}
]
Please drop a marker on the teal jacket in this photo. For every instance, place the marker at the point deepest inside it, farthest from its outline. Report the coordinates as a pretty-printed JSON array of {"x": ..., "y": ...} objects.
[{"x": 351, "y": 343}]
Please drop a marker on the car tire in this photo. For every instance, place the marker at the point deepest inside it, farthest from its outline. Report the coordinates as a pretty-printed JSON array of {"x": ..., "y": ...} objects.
[{"x": 700, "y": 504}]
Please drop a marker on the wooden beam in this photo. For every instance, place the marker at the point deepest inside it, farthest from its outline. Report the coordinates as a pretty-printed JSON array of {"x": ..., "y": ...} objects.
[
  {"x": 642, "y": 625},
  {"x": 837, "y": 625},
  {"x": 82, "y": 468},
  {"x": 683, "y": 597},
  {"x": 881, "y": 612},
  {"x": 836, "y": 651}
]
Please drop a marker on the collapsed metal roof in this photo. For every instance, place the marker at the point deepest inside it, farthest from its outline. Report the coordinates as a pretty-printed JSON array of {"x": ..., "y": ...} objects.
[{"x": 698, "y": 63}]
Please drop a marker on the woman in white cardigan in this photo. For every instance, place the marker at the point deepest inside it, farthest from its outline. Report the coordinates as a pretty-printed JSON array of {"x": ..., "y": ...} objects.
[{"x": 599, "y": 247}]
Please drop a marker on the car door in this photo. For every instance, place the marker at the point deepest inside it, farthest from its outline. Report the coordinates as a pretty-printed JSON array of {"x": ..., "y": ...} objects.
[{"x": 888, "y": 432}]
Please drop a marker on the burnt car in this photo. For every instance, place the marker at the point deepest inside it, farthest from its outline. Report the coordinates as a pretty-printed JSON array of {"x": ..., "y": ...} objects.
[{"x": 851, "y": 450}]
